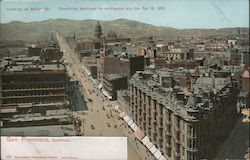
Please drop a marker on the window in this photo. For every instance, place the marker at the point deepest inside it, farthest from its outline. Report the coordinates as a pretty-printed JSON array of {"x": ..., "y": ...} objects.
[
  {"x": 169, "y": 116},
  {"x": 190, "y": 156},
  {"x": 155, "y": 105},
  {"x": 161, "y": 110},
  {"x": 149, "y": 101}
]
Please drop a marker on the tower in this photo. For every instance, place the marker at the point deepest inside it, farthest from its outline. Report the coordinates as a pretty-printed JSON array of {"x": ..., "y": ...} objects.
[
  {"x": 98, "y": 31},
  {"x": 238, "y": 31}
]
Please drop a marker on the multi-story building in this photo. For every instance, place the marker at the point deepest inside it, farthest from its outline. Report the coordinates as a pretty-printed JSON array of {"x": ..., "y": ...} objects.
[
  {"x": 90, "y": 66},
  {"x": 239, "y": 56},
  {"x": 34, "y": 95},
  {"x": 123, "y": 98},
  {"x": 188, "y": 125},
  {"x": 33, "y": 84},
  {"x": 113, "y": 83},
  {"x": 114, "y": 65},
  {"x": 51, "y": 54}
]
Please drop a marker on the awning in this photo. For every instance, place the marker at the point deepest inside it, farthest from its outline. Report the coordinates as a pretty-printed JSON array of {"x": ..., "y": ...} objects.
[
  {"x": 149, "y": 145},
  {"x": 93, "y": 80},
  {"x": 123, "y": 114},
  {"x": 126, "y": 118},
  {"x": 162, "y": 158},
  {"x": 99, "y": 86},
  {"x": 106, "y": 94},
  {"x": 109, "y": 97},
  {"x": 133, "y": 126},
  {"x": 136, "y": 128},
  {"x": 139, "y": 134},
  {"x": 130, "y": 122},
  {"x": 116, "y": 107},
  {"x": 153, "y": 149},
  {"x": 145, "y": 140},
  {"x": 86, "y": 70},
  {"x": 157, "y": 154}
]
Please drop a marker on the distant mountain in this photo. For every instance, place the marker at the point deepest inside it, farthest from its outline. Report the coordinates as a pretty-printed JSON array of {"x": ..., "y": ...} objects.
[{"x": 35, "y": 31}]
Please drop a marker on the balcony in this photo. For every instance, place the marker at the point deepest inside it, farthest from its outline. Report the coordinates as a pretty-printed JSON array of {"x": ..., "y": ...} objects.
[{"x": 191, "y": 149}]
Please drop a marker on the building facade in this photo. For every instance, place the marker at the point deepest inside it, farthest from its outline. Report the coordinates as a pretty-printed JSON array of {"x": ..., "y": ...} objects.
[
  {"x": 113, "y": 83},
  {"x": 127, "y": 66},
  {"x": 33, "y": 95},
  {"x": 183, "y": 126}
]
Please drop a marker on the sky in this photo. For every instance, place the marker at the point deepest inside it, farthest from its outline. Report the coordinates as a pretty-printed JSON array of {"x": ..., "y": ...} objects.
[{"x": 179, "y": 14}]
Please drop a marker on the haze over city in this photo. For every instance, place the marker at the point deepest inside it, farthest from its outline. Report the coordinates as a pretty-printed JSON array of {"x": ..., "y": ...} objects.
[{"x": 177, "y": 14}]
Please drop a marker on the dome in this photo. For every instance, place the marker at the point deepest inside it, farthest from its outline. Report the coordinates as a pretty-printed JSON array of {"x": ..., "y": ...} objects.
[{"x": 98, "y": 27}]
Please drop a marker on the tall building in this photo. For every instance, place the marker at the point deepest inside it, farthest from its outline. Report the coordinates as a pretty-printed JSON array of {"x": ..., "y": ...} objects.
[
  {"x": 34, "y": 95},
  {"x": 98, "y": 31},
  {"x": 188, "y": 125},
  {"x": 113, "y": 83},
  {"x": 127, "y": 66}
]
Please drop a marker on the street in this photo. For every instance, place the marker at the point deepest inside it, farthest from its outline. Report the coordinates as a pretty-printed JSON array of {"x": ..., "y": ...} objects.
[{"x": 99, "y": 119}]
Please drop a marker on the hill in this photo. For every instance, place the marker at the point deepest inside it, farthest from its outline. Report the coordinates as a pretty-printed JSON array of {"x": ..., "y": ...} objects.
[{"x": 35, "y": 31}]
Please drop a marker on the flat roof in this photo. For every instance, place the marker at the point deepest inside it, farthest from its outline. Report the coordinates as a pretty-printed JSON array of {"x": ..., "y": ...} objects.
[
  {"x": 45, "y": 67},
  {"x": 111, "y": 77}
]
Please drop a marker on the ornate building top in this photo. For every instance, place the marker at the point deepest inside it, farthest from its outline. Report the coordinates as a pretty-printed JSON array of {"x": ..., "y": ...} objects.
[{"x": 98, "y": 31}]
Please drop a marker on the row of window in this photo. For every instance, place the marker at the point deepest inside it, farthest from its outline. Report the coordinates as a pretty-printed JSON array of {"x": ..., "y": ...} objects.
[
  {"x": 33, "y": 100},
  {"x": 33, "y": 79},
  {"x": 31, "y": 93}
]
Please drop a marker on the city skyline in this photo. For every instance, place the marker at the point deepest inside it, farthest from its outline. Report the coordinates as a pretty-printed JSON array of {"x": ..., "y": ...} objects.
[{"x": 177, "y": 14}]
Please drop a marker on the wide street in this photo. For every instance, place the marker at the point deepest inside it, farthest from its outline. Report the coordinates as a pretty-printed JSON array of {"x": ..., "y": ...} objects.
[{"x": 100, "y": 119}]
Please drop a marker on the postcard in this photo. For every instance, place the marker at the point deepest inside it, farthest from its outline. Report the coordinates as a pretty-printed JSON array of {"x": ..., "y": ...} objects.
[{"x": 124, "y": 79}]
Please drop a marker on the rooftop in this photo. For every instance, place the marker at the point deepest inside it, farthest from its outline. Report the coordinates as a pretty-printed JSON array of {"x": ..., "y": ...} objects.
[
  {"x": 196, "y": 105},
  {"x": 112, "y": 77},
  {"x": 45, "y": 67}
]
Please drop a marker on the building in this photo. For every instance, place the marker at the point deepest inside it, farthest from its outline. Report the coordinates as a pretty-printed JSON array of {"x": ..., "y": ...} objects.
[
  {"x": 51, "y": 54},
  {"x": 113, "y": 38},
  {"x": 183, "y": 124},
  {"x": 34, "y": 50},
  {"x": 245, "y": 80},
  {"x": 123, "y": 98},
  {"x": 113, "y": 83},
  {"x": 98, "y": 31},
  {"x": 189, "y": 64},
  {"x": 84, "y": 47},
  {"x": 97, "y": 41},
  {"x": 239, "y": 56},
  {"x": 34, "y": 95},
  {"x": 90, "y": 66},
  {"x": 115, "y": 65}
]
